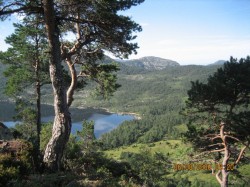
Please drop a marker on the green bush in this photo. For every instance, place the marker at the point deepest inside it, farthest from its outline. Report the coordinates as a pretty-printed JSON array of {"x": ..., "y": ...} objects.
[
  {"x": 15, "y": 165},
  {"x": 46, "y": 133}
]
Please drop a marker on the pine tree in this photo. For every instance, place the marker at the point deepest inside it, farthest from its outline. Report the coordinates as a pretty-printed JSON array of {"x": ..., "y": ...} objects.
[
  {"x": 98, "y": 27},
  {"x": 27, "y": 66},
  {"x": 219, "y": 116}
]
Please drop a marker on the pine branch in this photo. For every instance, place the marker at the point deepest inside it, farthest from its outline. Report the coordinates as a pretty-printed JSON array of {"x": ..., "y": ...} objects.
[
  {"x": 234, "y": 138},
  {"x": 6, "y": 11}
]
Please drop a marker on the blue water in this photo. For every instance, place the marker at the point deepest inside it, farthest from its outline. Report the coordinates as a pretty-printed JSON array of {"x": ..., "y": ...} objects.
[{"x": 103, "y": 122}]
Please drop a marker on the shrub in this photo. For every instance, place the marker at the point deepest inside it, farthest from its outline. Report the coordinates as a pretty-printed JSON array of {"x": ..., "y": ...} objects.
[{"x": 15, "y": 161}]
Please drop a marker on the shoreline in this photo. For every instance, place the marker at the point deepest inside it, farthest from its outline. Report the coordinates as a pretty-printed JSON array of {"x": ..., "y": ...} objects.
[
  {"x": 137, "y": 116},
  {"x": 86, "y": 110}
]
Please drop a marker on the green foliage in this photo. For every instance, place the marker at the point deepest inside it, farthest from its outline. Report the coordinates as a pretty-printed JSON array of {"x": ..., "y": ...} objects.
[
  {"x": 224, "y": 98},
  {"x": 86, "y": 135},
  {"x": 27, "y": 65},
  {"x": 176, "y": 151},
  {"x": 46, "y": 133},
  {"x": 158, "y": 97},
  {"x": 15, "y": 166},
  {"x": 218, "y": 113},
  {"x": 93, "y": 37},
  {"x": 16, "y": 83},
  {"x": 103, "y": 75},
  {"x": 82, "y": 156},
  {"x": 27, "y": 115},
  {"x": 48, "y": 180},
  {"x": 27, "y": 46},
  {"x": 7, "y": 171},
  {"x": 151, "y": 168}
]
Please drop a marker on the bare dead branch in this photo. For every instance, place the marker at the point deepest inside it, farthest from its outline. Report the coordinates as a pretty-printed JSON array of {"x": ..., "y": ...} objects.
[
  {"x": 218, "y": 177},
  {"x": 94, "y": 51},
  {"x": 207, "y": 152},
  {"x": 81, "y": 74},
  {"x": 217, "y": 150},
  {"x": 71, "y": 89},
  {"x": 217, "y": 144},
  {"x": 217, "y": 137},
  {"x": 240, "y": 155},
  {"x": 211, "y": 135}
]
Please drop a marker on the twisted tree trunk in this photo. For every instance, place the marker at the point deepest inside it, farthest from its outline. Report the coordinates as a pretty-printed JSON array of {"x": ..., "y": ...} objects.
[
  {"x": 224, "y": 171},
  {"x": 62, "y": 122}
]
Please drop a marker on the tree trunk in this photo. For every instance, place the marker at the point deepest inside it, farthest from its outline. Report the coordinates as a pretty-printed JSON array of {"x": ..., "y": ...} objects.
[
  {"x": 38, "y": 111},
  {"x": 224, "y": 172},
  {"x": 62, "y": 122},
  {"x": 38, "y": 117},
  {"x": 38, "y": 103},
  {"x": 73, "y": 83}
]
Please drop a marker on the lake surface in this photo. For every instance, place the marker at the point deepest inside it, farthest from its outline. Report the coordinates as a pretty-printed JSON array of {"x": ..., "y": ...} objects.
[{"x": 104, "y": 121}]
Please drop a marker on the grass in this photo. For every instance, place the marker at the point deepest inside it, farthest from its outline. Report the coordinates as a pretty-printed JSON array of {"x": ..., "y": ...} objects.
[
  {"x": 174, "y": 149},
  {"x": 178, "y": 152}
]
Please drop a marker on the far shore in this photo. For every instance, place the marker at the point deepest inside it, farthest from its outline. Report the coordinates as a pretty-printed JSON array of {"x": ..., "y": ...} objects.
[
  {"x": 49, "y": 110},
  {"x": 137, "y": 116}
]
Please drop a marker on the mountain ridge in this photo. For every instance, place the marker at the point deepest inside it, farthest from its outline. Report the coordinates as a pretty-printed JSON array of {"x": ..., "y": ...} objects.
[
  {"x": 218, "y": 62},
  {"x": 150, "y": 62}
]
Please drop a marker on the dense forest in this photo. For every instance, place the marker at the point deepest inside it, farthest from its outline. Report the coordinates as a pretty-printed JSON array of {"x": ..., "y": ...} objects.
[{"x": 158, "y": 97}]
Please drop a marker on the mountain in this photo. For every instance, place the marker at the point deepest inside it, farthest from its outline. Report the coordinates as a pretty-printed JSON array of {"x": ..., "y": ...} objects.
[
  {"x": 150, "y": 63},
  {"x": 219, "y": 62}
]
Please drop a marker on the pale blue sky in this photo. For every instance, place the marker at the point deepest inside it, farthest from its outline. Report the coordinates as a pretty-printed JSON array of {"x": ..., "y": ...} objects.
[
  {"x": 193, "y": 31},
  {"x": 188, "y": 31}
]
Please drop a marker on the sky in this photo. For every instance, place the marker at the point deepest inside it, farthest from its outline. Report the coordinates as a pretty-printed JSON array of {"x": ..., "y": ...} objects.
[{"x": 187, "y": 31}]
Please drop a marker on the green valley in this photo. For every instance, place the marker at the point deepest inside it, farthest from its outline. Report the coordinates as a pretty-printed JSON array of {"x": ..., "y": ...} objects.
[{"x": 156, "y": 97}]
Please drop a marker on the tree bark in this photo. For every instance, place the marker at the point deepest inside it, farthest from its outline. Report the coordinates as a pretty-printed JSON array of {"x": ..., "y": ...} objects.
[
  {"x": 224, "y": 172},
  {"x": 62, "y": 122},
  {"x": 38, "y": 117},
  {"x": 73, "y": 83}
]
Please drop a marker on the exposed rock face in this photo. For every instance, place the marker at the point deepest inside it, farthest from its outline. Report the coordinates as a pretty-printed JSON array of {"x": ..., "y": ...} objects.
[
  {"x": 13, "y": 146},
  {"x": 151, "y": 63},
  {"x": 5, "y": 133}
]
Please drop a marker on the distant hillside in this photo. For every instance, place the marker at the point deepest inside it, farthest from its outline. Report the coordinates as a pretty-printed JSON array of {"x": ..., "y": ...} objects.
[
  {"x": 150, "y": 63},
  {"x": 219, "y": 62}
]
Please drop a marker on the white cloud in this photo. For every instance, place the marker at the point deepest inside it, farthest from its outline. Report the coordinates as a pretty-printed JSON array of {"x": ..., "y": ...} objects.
[{"x": 144, "y": 24}]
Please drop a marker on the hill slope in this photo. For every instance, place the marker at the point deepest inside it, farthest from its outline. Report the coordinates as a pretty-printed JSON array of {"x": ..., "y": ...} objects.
[
  {"x": 219, "y": 62},
  {"x": 156, "y": 95}
]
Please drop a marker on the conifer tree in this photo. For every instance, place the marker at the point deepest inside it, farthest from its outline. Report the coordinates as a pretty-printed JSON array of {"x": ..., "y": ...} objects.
[
  {"x": 98, "y": 27},
  {"x": 27, "y": 66},
  {"x": 219, "y": 116}
]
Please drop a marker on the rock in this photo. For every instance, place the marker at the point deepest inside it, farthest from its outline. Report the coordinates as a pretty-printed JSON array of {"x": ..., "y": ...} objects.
[
  {"x": 13, "y": 146},
  {"x": 5, "y": 133}
]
